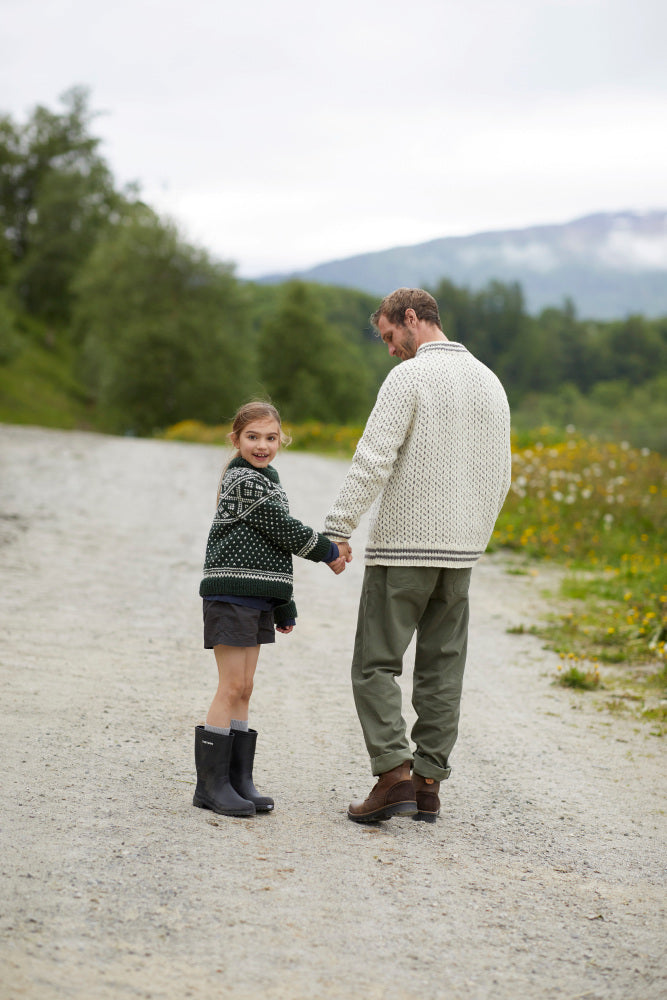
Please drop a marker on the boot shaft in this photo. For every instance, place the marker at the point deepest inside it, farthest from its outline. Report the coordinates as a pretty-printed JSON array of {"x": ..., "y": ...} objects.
[
  {"x": 241, "y": 768},
  {"x": 427, "y": 795},
  {"x": 214, "y": 790},
  {"x": 212, "y": 749},
  {"x": 243, "y": 753}
]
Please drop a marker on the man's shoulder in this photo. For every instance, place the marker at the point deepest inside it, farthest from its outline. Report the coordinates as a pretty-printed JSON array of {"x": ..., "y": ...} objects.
[{"x": 402, "y": 373}]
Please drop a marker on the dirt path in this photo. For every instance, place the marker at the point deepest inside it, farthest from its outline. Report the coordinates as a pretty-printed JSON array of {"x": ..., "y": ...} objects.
[{"x": 544, "y": 878}]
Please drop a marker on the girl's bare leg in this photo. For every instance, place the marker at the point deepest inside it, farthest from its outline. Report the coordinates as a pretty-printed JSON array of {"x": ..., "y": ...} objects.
[{"x": 236, "y": 674}]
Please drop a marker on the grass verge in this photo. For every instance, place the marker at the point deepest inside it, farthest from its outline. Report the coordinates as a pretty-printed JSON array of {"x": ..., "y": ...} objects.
[{"x": 598, "y": 508}]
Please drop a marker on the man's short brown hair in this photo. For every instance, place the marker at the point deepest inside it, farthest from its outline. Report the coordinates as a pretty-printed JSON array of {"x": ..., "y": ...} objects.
[{"x": 393, "y": 307}]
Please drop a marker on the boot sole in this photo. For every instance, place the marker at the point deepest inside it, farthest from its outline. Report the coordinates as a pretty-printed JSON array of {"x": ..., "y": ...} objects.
[
  {"x": 426, "y": 817},
  {"x": 386, "y": 812},
  {"x": 203, "y": 804}
]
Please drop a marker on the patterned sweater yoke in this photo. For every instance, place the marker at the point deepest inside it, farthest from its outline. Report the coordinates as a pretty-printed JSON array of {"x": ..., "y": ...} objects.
[
  {"x": 433, "y": 463},
  {"x": 253, "y": 538}
]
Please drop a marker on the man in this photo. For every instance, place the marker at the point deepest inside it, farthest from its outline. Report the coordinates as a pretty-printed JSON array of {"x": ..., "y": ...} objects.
[{"x": 435, "y": 462}]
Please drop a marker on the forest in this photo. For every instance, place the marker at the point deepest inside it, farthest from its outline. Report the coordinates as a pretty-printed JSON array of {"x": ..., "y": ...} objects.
[{"x": 111, "y": 320}]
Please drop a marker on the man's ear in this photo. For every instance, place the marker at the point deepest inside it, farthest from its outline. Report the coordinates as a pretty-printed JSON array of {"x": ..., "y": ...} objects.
[{"x": 410, "y": 317}]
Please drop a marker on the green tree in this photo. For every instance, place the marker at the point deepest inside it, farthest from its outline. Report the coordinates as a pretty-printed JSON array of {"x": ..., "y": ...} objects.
[
  {"x": 487, "y": 322},
  {"x": 10, "y": 342},
  {"x": 56, "y": 196},
  {"x": 500, "y": 313},
  {"x": 307, "y": 367},
  {"x": 163, "y": 329},
  {"x": 457, "y": 315},
  {"x": 637, "y": 348},
  {"x": 349, "y": 311}
]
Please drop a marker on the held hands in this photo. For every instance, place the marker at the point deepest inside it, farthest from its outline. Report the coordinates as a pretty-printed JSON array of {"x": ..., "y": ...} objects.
[
  {"x": 338, "y": 565},
  {"x": 344, "y": 556}
]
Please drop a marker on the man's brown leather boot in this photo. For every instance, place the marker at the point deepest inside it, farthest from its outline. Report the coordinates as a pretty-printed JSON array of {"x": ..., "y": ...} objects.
[
  {"x": 428, "y": 800},
  {"x": 392, "y": 795}
]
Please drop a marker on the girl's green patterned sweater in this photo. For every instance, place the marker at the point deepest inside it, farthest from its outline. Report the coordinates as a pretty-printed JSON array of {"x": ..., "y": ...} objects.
[{"x": 253, "y": 537}]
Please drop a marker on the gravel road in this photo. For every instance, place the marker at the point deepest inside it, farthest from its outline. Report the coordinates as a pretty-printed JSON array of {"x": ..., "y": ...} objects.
[{"x": 543, "y": 878}]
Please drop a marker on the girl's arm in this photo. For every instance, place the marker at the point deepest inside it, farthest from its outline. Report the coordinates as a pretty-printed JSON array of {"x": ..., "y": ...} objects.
[
  {"x": 287, "y": 532},
  {"x": 284, "y": 615}
]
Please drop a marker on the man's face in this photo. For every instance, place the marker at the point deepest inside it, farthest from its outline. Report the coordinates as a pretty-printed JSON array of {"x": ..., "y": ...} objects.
[{"x": 400, "y": 340}]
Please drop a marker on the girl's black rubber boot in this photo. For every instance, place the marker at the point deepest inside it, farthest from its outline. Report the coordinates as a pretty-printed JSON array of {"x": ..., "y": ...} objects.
[
  {"x": 240, "y": 770},
  {"x": 214, "y": 791}
]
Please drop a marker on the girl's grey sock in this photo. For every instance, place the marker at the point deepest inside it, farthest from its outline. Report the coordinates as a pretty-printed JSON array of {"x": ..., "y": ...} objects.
[
  {"x": 216, "y": 729},
  {"x": 239, "y": 724}
]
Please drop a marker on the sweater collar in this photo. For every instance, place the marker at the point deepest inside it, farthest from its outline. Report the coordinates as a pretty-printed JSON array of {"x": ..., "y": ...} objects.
[
  {"x": 441, "y": 345},
  {"x": 269, "y": 471}
]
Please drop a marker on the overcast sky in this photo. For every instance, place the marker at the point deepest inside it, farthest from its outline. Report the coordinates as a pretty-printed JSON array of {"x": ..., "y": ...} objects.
[{"x": 284, "y": 134}]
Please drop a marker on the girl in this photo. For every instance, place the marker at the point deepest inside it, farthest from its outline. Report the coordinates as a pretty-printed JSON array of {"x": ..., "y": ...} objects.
[{"x": 247, "y": 591}]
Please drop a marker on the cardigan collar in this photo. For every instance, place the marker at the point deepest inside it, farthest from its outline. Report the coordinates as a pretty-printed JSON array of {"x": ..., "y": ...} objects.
[
  {"x": 268, "y": 471},
  {"x": 441, "y": 345}
]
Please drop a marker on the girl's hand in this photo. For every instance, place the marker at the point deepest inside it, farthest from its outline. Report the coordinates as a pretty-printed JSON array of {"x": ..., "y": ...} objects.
[
  {"x": 338, "y": 565},
  {"x": 285, "y": 629}
]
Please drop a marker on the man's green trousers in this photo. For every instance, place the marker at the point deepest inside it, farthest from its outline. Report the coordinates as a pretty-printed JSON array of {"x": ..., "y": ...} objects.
[{"x": 395, "y": 602}]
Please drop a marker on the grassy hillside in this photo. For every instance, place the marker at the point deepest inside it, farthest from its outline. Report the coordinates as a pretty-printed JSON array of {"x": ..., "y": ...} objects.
[{"x": 38, "y": 387}]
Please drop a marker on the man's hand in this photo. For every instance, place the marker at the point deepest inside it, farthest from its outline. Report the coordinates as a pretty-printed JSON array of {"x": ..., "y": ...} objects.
[
  {"x": 285, "y": 629},
  {"x": 345, "y": 550}
]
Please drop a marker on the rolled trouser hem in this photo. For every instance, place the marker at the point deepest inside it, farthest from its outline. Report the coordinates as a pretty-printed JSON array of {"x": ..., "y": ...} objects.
[
  {"x": 388, "y": 761},
  {"x": 429, "y": 770}
]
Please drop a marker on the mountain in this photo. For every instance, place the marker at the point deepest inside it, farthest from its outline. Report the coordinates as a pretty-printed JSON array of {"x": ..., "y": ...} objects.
[{"x": 610, "y": 264}]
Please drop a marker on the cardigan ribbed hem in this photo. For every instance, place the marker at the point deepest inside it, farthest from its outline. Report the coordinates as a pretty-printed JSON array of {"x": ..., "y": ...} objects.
[{"x": 408, "y": 556}]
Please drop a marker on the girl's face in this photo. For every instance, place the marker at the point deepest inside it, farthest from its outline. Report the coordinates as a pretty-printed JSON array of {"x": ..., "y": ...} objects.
[{"x": 258, "y": 442}]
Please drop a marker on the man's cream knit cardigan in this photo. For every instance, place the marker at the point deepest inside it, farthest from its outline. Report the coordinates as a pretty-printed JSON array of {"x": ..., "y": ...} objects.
[{"x": 434, "y": 461}]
